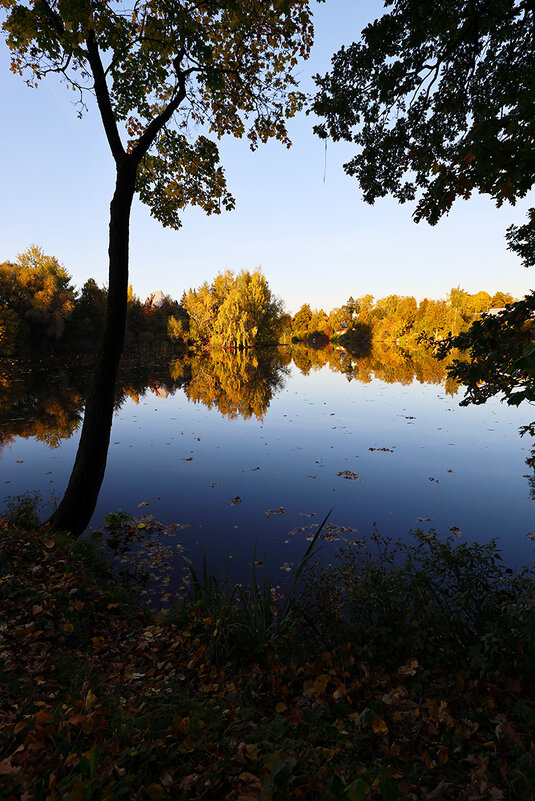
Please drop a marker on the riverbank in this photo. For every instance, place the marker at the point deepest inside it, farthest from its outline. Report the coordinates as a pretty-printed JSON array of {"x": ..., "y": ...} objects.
[{"x": 366, "y": 690}]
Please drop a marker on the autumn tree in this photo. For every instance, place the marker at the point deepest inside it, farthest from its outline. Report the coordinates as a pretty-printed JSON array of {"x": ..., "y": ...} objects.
[
  {"x": 480, "y": 302},
  {"x": 433, "y": 319},
  {"x": 248, "y": 313},
  {"x": 169, "y": 78},
  {"x": 201, "y": 306},
  {"x": 284, "y": 325},
  {"x": 235, "y": 312},
  {"x": 500, "y": 299},
  {"x": 337, "y": 319},
  {"x": 319, "y": 322},
  {"x": 351, "y": 305},
  {"x": 178, "y": 328},
  {"x": 301, "y": 320},
  {"x": 37, "y": 299},
  {"x": 365, "y": 305}
]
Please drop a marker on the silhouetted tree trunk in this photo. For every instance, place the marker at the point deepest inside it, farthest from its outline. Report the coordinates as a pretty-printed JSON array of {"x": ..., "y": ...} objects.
[{"x": 75, "y": 510}]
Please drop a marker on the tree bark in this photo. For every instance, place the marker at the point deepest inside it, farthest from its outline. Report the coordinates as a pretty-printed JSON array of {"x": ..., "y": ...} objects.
[{"x": 78, "y": 504}]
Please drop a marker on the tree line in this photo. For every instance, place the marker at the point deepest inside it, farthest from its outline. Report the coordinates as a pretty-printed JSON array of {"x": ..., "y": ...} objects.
[
  {"x": 395, "y": 319},
  {"x": 41, "y": 313}
]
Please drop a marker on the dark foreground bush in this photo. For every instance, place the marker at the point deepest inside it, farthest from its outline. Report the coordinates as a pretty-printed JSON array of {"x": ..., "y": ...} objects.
[{"x": 447, "y": 602}]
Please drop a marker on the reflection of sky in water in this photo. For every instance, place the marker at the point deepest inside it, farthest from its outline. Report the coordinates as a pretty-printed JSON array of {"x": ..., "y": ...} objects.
[{"x": 318, "y": 426}]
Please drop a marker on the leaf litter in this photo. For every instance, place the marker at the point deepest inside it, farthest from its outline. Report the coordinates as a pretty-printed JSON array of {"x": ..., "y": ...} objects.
[
  {"x": 102, "y": 700},
  {"x": 323, "y": 726}
]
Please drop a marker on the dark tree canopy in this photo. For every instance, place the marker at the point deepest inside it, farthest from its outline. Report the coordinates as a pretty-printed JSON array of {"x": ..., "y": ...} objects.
[
  {"x": 438, "y": 97},
  {"x": 502, "y": 355}
]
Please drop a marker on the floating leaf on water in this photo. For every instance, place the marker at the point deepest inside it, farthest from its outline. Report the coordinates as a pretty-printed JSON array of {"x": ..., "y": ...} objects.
[
  {"x": 349, "y": 475},
  {"x": 423, "y": 519},
  {"x": 279, "y": 511},
  {"x": 234, "y": 501}
]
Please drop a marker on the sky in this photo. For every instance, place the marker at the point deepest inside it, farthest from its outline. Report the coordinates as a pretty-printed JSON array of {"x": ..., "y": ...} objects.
[{"x": 298, "y": 216}]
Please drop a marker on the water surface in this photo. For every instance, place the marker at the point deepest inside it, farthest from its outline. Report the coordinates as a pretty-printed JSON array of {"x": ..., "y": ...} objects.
[{"x": 246, "y": 453}]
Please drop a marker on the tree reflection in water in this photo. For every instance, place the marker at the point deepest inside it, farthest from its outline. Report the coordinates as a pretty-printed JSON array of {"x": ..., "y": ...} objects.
[
  {"x": 46, "y": 401},
  {"x": 41, "y": 403},
  {"x": 388, "y": 364},
  {"x": 238, "y": 384}
]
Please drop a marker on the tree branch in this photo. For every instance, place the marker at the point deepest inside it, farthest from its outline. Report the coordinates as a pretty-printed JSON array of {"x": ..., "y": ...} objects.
[
  {"x": 155, "y": 126},
  {"x": 103, "y": 98}
]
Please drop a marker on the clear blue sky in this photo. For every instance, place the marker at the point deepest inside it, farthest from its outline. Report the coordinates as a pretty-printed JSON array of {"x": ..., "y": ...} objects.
[{"x": 315, "y": 239}]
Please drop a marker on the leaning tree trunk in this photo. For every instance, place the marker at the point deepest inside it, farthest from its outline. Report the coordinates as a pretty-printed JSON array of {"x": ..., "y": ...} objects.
[{"x": 76, "y": 509}]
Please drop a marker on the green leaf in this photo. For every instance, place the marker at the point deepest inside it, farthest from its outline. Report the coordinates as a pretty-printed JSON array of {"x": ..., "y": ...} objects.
[
  {"x": 94, "y": 759},
  {"x": 357, "y": 790},
  {"x": 389, "y": 787}
]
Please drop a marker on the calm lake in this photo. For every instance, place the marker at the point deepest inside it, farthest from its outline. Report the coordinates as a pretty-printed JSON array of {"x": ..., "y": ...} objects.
[{"x": 245, "y": 452}]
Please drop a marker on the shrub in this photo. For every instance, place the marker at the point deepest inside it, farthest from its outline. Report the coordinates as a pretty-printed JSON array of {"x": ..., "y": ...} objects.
[{"x": 440, "y": 600}]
